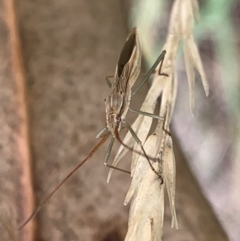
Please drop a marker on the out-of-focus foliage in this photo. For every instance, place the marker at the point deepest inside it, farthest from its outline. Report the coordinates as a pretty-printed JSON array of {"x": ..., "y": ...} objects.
[{"x": 211, "y": 140}]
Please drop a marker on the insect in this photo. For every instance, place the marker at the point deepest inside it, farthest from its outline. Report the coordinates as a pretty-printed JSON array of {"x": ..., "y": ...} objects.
[{"x": 117, "y": 105}]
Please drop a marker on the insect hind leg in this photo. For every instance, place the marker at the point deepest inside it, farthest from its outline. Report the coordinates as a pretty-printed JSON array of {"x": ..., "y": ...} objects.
[
  {"x": 109, "y": 150},
  {"x": 143, "y": 150}
]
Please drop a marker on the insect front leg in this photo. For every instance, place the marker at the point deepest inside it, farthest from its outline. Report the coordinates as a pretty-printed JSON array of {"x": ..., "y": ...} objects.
[
  {"x": 160, "y": 59},
  {"x": 109, "y": 150}
]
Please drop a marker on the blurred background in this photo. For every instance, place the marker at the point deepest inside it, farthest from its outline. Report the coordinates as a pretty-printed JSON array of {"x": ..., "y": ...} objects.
[
  {"x": 211, "y": 138},
  {"x": 54, "y": 57}
]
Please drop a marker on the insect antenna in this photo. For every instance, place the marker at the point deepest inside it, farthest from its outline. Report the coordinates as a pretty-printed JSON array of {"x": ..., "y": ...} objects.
[{"x": 62, "y": 182}]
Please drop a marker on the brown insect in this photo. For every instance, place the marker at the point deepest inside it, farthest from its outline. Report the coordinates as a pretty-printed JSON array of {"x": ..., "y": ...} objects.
[{"x": 117, "y": 105}]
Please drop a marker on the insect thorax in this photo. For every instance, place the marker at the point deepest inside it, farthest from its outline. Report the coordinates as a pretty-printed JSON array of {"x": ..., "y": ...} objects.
[{"x": 114, "y": 108}]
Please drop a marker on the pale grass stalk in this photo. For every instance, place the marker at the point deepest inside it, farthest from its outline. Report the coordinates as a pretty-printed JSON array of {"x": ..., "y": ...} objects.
[
  {"x": 146, "y": 212},
  {"x": 146, "y": 192}
]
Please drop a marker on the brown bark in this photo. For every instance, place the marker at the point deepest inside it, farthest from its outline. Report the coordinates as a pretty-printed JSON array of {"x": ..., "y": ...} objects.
[
  {"x": 68, "y": 48},
  {"x": 16, "y": 188}
]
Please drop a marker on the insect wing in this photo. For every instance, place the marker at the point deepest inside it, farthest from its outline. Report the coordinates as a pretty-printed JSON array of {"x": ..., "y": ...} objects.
[
  {"x": 126, "y": 53},
  {"x": 135, "y": 62},
  {"x": 129, "y": 63}
]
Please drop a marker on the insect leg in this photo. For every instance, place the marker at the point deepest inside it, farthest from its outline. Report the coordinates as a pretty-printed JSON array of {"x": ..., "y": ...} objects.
[
  {"x": 109, "y": 82},
  {"x": 153, "y": 116},
  {"x": 103, "y": 132},
  {"x": 107, "y": 157},
  {"x": 145, "y": 154},
  {"x": 109, "y": 149},
  {"x": 147, "y": 114},
  {"x": 160, "y": 59},
  {"x": 110, "y": 77}
]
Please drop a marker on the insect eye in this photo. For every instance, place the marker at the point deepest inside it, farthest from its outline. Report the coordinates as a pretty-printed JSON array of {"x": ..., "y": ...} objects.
[{"x": 118, "y": 118}]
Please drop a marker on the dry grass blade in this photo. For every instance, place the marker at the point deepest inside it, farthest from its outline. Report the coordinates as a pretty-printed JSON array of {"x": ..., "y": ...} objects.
[
  {"x": 195, "y": 57},
  {"x": 147, "y": 206},
  {"x": 174, "y": 92},
  {"x": 190, "y": 77},
  {"x": 188, "y": 10},
  {"x": 169, "y": 173},
  {"x": 146, "y": 192}
]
